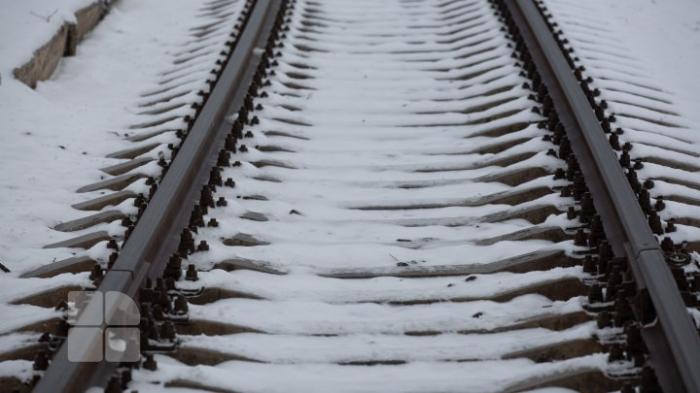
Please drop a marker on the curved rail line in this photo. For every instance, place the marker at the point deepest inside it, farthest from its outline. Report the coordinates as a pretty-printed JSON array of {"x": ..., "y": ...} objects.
[{"x": 668, "y": 331}]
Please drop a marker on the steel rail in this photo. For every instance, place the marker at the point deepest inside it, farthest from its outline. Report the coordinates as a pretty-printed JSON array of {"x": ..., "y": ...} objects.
[
  {"x": 672, "y": 339},
  {"x": 157, "y": 233}
]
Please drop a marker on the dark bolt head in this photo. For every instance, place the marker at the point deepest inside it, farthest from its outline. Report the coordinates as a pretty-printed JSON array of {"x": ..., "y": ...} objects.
[
  {"x": 599, "y": 113},
  {"x": 581, "y": 239},
  {"x": 41, "y": 361},
  {"x": 659, "y": 205},
  {"x": 152, "y": 190},
  {"x": 595, "y": 294},
  {"x": 114, "y": 385},
  {"x": 638, "y": 165},
  {"x": 614, "y": 141},
  {"x": 230, "y": 183},
  {"x": 112, "y": 244},
  {"x": 150, "y": 363},
  {"x": 655, "y": 223},
  {"x": 625, "y": 159},
  {"x": 559, "y": 173},
  {"x": 589, "y": 265},
  {"x": 213, "y": 223},
  {"x": 565, "y": 192},
  {"x": 603, "y": 320},
  {"x": 627, "y": 146},
  {"x": 667, "y": 244},
  {"x": 158, "y": 316},
  {"x": 61, "y": 329},
  {"x": 648, "y": 184},
  {"x": 191, "y": 274},
  {"x": 139, "y": 200},
  {"x": 96, "y": 272},
  {"x": 112, "y": 258},
  {"x": 126, "y": 376},
  {"x": 670, "y": 225},
  {"x": 61, "y": 306},
  {"x": 616, "y": 353},
  {"x": 203, "y": 246},
  {"x": 627, "y": 388},
  {"x": 649, "y": 382},
  {"x": 221, "y": 202},
  {"x": 571, "y": 213},
  {"x": 696, "y": 282},
  {"x": 167, "y": 331},
  {"x": 160, "y": 284},
  {"x": 243, "y": 149},
  {"x": 180, "y": 305},
  {"x": 633, "y": 180},
  {"x": 604, "y": 254},
  {"x": 644, "y": 200}
]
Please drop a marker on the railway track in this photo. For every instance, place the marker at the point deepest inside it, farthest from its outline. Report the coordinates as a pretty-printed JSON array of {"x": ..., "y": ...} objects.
[{"x": 398, "y": 197}]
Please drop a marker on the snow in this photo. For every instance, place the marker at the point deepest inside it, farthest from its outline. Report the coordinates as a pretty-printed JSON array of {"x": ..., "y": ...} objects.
[
  {"x": 20, "y": 369},
  {"x": 304, "y": 286},
  {"x": 313, "y": 317},
  {"x": 374, "y": 347},
  {"x": 27, "y": 25},
  {"x": 665, "y": 35},
  {"x": 56, "y": 138},
  {"x": 643, "y": 56},
  {"x": 370, "y": 158},
  {"x": 414, "y": 377}
]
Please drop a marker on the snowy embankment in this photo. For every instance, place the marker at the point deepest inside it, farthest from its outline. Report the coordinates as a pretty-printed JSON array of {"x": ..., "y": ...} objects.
[
  {"x": 57, "y": 138},
  {"x": 644, "y": 59}
]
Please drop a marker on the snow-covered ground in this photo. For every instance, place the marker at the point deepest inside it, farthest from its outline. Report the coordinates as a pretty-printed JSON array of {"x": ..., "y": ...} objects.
[
  {"x": 665, "y": 36},
  {"x": 55, "y": 139},
  {"x": 27, "y": 25},
  {"x": 644, "y": 57},
  {"x": 370, "y": 165}
]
